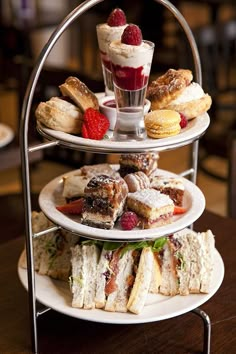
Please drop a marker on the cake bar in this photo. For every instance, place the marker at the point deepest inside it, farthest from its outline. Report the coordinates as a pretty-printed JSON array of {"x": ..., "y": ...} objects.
[
  {"x": 153, "y": 207},
  {"x": 105, "y": 197},
  {"x": 130, "y": 163},
  {"x": 172, "y": 186}
]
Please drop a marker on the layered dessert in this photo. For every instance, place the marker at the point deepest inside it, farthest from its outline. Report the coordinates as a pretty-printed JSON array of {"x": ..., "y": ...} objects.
[
  {"x": 131, "y": 163},
  {"x": 152, "y": 207},
  {"x": 172, "y": 186},
  {"x": 131, "y": 59},
  {"x": 106, "y": 33},
  {"x": 104, "y": 201}
]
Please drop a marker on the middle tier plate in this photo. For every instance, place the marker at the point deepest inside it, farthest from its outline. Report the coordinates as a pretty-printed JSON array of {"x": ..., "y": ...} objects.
[{"x": 51, "y": 196}]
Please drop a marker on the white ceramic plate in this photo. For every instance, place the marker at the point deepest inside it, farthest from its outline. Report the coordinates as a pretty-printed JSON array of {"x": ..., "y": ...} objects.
[
  {"x": 51, "y": 196},
  {"x": 56, "y": 295},
  {"x": 6, "y": 134},
  {"x": 195, "y": 128}
]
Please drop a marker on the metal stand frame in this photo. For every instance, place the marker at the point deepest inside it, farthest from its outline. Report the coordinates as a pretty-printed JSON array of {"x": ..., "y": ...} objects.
[
  {"x": 26, "y": 150},
  {"x": 207, "y": 329}
]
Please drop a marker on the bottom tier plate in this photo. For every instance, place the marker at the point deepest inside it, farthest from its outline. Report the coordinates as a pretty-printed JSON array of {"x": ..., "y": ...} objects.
[{"x": 56, "y": 295}]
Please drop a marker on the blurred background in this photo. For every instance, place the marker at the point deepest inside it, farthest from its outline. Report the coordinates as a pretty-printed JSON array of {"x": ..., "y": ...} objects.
[{"x": 25, "y": 27}]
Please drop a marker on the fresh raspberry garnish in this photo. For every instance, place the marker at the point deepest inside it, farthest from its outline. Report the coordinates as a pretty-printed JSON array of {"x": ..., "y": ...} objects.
[
  {"x": 132, "y": 35},
  {"x": 129, "y": 220},
  {"x": 95, "y": 124},
  {"x": 184, "y": 122},
  {"x": 116, "y": 18}
]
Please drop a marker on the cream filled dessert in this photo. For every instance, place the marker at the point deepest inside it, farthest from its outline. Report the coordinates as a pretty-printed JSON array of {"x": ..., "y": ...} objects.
[
  {"x": 131, "y": 59},
  {"x": 176, "y": 91},
  {"x": 192, "y": 92},
  {"x": 106, "y": 33}
]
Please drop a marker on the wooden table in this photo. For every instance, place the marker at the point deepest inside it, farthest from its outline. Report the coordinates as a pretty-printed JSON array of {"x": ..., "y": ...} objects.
[{"x": 58, "y": 333}]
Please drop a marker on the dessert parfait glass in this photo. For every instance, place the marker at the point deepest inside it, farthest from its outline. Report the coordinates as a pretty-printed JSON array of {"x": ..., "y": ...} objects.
[
  {"x": 105, "y": 35},
  {"x": 131, "y": 66}
]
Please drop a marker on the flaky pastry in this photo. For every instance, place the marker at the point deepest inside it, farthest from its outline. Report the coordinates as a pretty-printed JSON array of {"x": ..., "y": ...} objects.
[
  {"x": 168, "y": 87},
  {"x": 79, "y": 93}
]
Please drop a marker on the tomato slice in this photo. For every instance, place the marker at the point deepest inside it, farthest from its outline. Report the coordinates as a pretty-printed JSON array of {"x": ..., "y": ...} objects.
[{"x": 74, "y": 207}]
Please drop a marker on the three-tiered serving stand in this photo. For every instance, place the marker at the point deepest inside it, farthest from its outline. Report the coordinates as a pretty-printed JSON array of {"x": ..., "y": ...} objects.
[{"x": 108, "y": 148}]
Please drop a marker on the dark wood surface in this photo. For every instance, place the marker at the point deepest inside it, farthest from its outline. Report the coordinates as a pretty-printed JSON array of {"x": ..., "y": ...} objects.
[{"x": 61, "y": 334}]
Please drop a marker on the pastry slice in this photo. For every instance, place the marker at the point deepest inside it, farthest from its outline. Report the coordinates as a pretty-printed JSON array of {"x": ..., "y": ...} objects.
[
  {"x": 79, "y": 93},
  {"x": 153, "y": 208},
  {"x": 172, "y": 186},
  {"x": 104, "y": 201}
]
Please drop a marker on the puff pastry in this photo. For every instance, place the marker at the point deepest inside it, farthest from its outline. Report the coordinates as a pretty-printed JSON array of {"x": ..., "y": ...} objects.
[{"x": 79, "y": 93}]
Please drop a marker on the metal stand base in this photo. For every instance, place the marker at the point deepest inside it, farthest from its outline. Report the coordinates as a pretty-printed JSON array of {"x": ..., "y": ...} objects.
[{"x": 207, "y": 329}]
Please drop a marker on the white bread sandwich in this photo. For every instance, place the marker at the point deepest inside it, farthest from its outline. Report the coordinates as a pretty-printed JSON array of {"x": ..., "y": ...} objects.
[
  {"x": 119, "y": 281},
  {"x": 83, "y": 281},
  {"x": 51, "y": 251},
  {"x": 187, "y": 263}
]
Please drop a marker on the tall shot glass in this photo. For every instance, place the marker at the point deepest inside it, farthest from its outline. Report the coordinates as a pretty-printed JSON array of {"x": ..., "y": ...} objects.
[
  {"x": 105, "y": 35},
  {"x": 130, "y": 68}
]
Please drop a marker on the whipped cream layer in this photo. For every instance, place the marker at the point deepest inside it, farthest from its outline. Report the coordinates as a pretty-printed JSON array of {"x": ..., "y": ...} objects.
[
  {"x": 133, "y": 56},
  {"x": 106, "y": 34},
  {"x": 192, "y": 92}
]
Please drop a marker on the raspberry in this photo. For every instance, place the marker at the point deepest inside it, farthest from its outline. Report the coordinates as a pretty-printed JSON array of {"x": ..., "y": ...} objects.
[
  {"x": 184, "y": 122},
  {"x": 129, "y": 220},
  {"x": 132, "y": 35},
  {"x": 95, "y": 124},
  {"x": 116, "y": 18}
]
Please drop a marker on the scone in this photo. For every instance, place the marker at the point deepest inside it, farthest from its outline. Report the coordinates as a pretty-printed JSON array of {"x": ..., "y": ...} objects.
[
  {"x": 79, "y": 93},
  {"x": 192, "y": 102},
  {"x": 104, "y": 201},
  {"x": 162, "y": 123},
  {"x": 59, "y": 114},
  {"x": 168, "y": 87},
  {"x": 175, "y": 91},
  {"x": 153, "y": 208}
]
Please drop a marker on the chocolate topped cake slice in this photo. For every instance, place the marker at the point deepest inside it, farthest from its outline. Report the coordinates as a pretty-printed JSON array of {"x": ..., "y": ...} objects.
[
  {"x": 105, "y": 197},
  {"x": 130, "y": 163}
]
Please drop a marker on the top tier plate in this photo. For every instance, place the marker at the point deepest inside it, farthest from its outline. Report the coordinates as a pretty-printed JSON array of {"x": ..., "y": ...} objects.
[{"x": 195, "y": 128}]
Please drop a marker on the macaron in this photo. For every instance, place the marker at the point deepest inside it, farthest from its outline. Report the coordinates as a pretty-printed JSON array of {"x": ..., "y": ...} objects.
[{"x": 162, "y": 123}]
